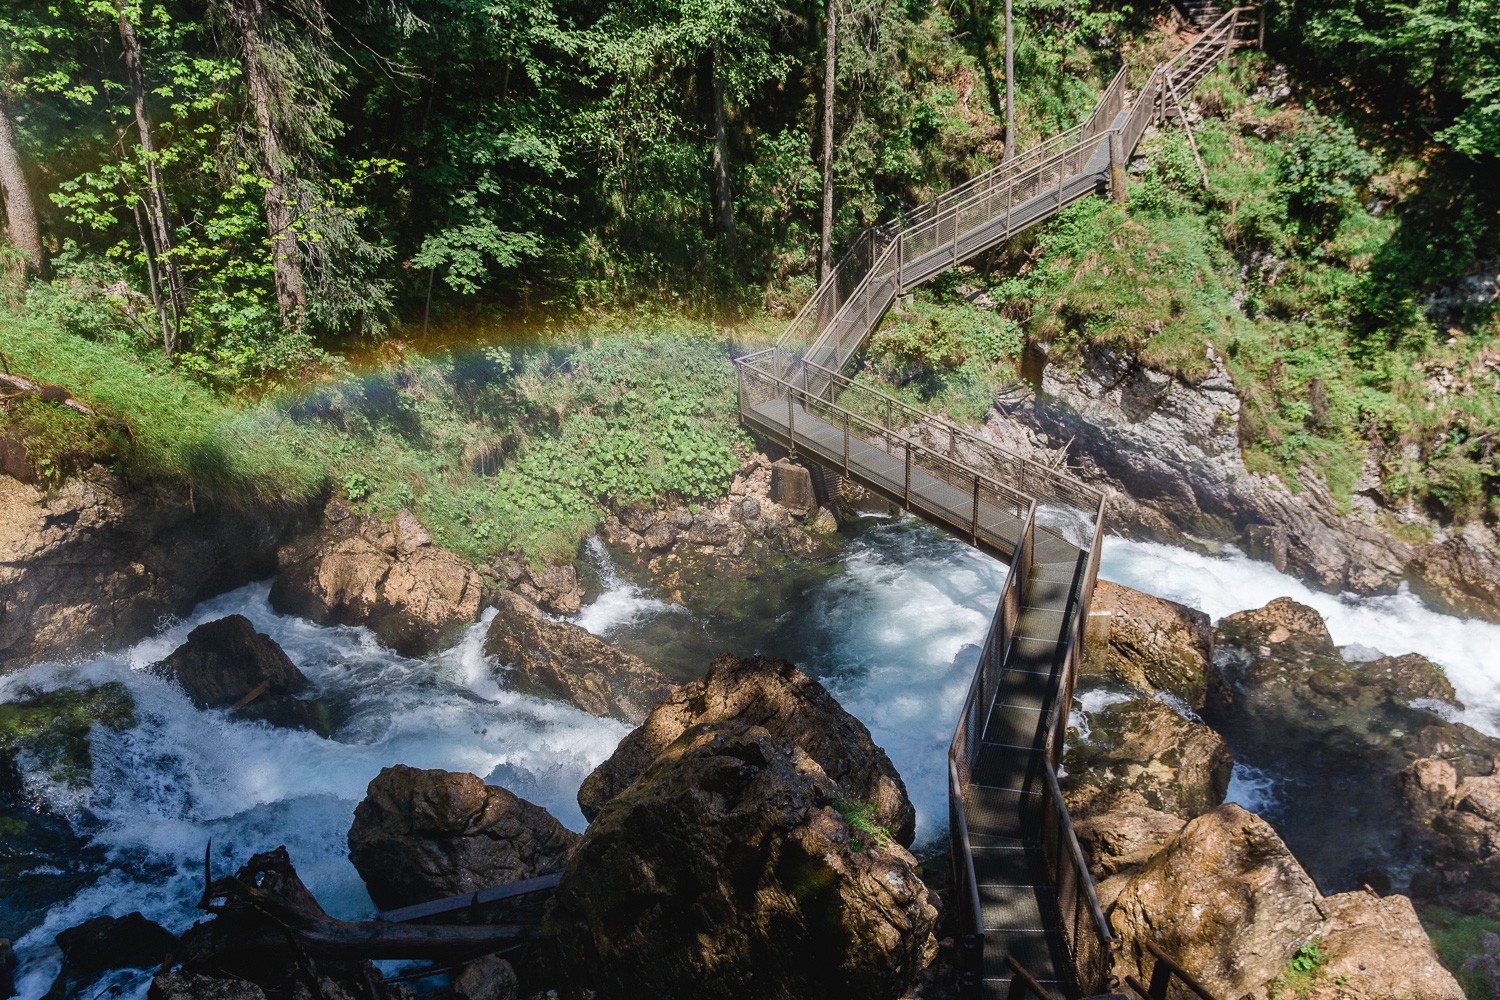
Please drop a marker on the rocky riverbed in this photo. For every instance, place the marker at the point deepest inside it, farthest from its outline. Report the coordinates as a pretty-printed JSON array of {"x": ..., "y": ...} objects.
[{"x": 519, "y": 683}]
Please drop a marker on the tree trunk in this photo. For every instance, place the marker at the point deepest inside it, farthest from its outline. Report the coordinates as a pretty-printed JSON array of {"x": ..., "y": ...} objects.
[
  {"x": 1010, "y": 83},
  {"x": 723, "y": 194},
  {"x": 826, "y": 257},
  {"x": 291, "y": 296},
  {"x": 20, "y": 212},
  {"x": 158, "y": 214}
]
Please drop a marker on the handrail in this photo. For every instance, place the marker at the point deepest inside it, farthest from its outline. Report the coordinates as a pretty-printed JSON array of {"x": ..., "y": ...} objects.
[
  {"x": 1162, "y": 975},
  {"x": 1075, "y": 855}
]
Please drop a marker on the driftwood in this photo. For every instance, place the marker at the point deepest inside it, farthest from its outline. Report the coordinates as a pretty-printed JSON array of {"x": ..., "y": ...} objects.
[
  {"x": 47, "y": 392},
  {"x": 264, "y": 910}
]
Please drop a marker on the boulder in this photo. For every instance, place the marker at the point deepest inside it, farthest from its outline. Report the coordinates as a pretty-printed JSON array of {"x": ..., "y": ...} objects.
[
  {"x": 227, "y": 664},
  {"x": 98, "y": 562},
  {"x": 487, "y": 978},
  {"x": 1121, "y": 841},
  {"x": 103, "y": 943},
  {"x": 388, "y": 576},
  {"x": 1460, "y": 821},
  {"x": 194, "y": 986},
  {"x": 422, "y": 835},
  {"x": 1376, "y": 948},
  {"x": 1225, "y": 898},
  {"x": 1339, "y": 734},
  {"x": 553, "y": 659},
  {"x": 733, "y": 868},
  {"x": 794, "y": 708},
  {"x": 1152, "y": 644},
  {"x": 1142, "y": 753}
]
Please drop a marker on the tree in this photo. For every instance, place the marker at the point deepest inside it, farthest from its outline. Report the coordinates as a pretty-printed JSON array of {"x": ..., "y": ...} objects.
[
  {"x": 20, "y": 210},
  {"x": 164, "y": 271},
  {"x": 830, "y": 67}
]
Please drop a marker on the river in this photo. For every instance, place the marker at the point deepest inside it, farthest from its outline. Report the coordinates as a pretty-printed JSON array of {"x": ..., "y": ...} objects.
[{"x": 892, "y": 629}]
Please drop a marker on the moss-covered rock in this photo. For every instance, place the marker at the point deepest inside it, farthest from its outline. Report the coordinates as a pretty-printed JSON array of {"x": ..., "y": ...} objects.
[{"x": 50, "y": 732}]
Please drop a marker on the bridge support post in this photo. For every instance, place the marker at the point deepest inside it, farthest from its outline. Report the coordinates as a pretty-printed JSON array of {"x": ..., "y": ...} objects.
[{"x": 1117, "y": 178}]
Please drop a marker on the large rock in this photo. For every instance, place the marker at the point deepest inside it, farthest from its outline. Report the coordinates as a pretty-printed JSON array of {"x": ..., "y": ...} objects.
[
  {"x": 1460, "y": 574},
  {"x": 227, "y": 664},
  {"x": 421, "y": 835},
  {"x": 358, "y": 570},
  {"x": 794, "y": 708},
  {"x": 1337, "y": 735},
  {"x": 1225, "y": 898},
  {"x": 100, "y": 563},
  {"x": 103, "y": 943},
  {"x": 1460, "y": 818},
  {"x": 1122, "y": 840},
  {"x": 1152, "y": 645},
  {"x": 1142, "y": 753},
  {"x": 559, "y": 660},
  {"x": 1375, "y": 949},
  {"x": 195, "y": 986},
  {"x": 728, "y": 872}
]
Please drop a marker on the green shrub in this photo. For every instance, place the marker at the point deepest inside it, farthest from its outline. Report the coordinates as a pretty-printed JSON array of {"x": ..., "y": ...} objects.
[{"x": 1456, "y": 936}]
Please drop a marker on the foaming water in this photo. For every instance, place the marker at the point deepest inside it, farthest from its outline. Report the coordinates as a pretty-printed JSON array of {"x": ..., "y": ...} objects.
[
  {"x": 181, "y": 776},
  {"x": 620, "y": 602},
  {"x": 1467, "y": 650}
]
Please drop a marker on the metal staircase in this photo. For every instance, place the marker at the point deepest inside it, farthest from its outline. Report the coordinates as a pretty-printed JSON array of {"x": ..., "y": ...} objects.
[{"x": 1024, "y": 892}]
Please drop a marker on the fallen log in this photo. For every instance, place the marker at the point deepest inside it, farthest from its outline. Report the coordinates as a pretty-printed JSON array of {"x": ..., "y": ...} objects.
[{"x": 46, "y": 392}]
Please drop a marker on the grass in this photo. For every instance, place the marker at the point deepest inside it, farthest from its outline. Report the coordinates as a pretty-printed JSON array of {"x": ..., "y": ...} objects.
[
  {"x": 497, "y": 450},
  {"x": 1456, "y": 936},
  {"x": 1303, "y": 972},
  {"x": 860, "y": 816}
]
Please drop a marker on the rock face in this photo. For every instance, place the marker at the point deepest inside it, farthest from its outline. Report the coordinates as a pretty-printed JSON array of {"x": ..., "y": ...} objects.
[
  {"x": 1290, "y": 705},
  {"x": 559, "y": 660},
  {"x": 1152, "y": 645},
  {"x": 1460, "y": 820},
  {"x": 193, "y": 986},
  {"x": 357, "y": 570},
  {"x": 1141, "y": 753},
  {"x": 726, "y": 871},
  {"x": 227, "y": 664},
  {"x": 1460, "y": 574},
  {"x": 1122, "y": 840},
  {"x": 1225, "y": 898},
  {"x": 99, "y": 563},
  {"x": 421, "y": 835},
  {"x": 794, "y": 708},
  {"x": 1376, "y": 948}
]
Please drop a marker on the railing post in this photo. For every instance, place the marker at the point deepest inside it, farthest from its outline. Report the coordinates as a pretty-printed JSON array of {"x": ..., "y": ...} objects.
[
  {"x": 974, "y": 520},
  {"x": 791, "y": 422},
  {"x": 1117, "y": 178},
  {"x": 907, "y": 493},
  {"x": 846, "y": 444},
  {"x": 900, "y": 262}
]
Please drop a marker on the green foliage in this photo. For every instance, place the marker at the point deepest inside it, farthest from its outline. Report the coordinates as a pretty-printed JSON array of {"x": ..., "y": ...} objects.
[
  {"x": 58, "y": 441},
  {"x": 860, "y": 817},
  {"x": 1302, "y": 973},
  {"x": 1456, "y": 936},
  {"x": 1323, "y": 172},
  {"x": 50, "y": 732}
]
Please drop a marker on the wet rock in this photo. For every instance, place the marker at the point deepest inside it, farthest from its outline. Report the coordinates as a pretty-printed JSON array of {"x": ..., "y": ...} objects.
[
  {"x": 1459, "y": 818},
  {"x": 1460, "y": 575},
  {"x": 560, "y": 660},
  {"x": 794, "y": 708},
  {"x": 103, "y": 943},
  {"x": 1152, "y": 644},
  {"x": 488, "y": 978},
  {"x": 422, "y": 835},
  {"x": 1225, "y": 898},
  {"x": 1376, "y": 948},
  {"x": 1142, "y": 753},
  {"x": 7, "y": 969},
  {"x": 358, "y": 570},
  {"x": 1341, "y": 733},
  {"x": 194, "y": 986},
  {"x": 726, "y": 870},
  {"x": 1429, "y": 787},
  {"x": 99, "y": 563},
  {"x": 227, "y": 664}
]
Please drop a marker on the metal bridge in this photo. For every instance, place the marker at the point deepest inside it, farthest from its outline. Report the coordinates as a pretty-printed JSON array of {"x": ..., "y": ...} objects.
[{"x": 1031, "y": 923}]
